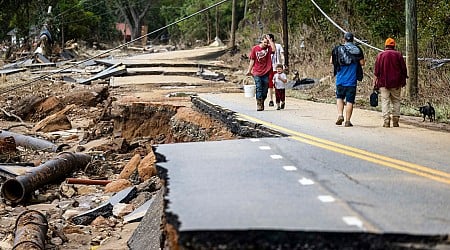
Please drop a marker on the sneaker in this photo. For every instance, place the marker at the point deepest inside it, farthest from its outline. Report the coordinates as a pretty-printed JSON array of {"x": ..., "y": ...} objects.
[
  {"x": 340, "y": 120},
  {"x": 271, "y": 103},
  {"x": 278, "y": 108},
  {"x": 348, "y": 124},
  {"x": 282, "y": 105}
]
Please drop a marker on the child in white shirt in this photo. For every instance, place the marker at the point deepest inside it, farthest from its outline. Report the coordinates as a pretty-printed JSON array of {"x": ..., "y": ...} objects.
[{"x": 279, "y": 82}]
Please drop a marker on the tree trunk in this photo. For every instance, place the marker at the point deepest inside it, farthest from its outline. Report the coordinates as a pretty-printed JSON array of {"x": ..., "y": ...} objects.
[
  {"x": 134, "y": 13},
  {"x": 285, "y": 33},
  {"x": 233, "y": 24}
]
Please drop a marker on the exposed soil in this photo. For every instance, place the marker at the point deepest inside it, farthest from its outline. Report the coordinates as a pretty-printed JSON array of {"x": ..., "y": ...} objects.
[{"x": 110, "y": 124}]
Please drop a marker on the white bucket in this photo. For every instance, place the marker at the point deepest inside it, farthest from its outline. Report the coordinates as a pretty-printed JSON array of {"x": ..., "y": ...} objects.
[{"x": 249, "y": 90}]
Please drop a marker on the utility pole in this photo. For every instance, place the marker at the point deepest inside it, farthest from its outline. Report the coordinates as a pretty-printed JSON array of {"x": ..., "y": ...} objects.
[
  {"x": 233, "y": 25},
  {"x": 285, "y": 32},
  {"x": 245, "y": 8},
  {"x": 411, "y": 49}
]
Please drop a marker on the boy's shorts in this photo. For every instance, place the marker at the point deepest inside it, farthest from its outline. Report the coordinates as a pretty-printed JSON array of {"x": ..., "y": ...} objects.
[
  {"x": 272, "y": 73},
  {"x": 347, "y": 93}
]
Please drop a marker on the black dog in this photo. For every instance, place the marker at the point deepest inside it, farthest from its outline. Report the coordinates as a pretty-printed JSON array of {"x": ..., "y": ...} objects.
[{"x": 428, "y": 110}]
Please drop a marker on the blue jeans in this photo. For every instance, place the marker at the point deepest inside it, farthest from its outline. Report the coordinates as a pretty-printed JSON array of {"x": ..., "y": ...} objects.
[{"x": 262, "y": 85}]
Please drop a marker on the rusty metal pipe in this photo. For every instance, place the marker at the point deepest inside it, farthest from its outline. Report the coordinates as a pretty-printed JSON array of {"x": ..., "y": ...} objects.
[
  {"x": 87, "y": 181},
  {"x": 31, "y": 142},
  {"x": 15, "y": 190},
  {"x": 30, "y": 231}
]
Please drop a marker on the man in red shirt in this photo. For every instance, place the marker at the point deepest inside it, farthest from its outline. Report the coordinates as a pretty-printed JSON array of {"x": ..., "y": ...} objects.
[
  {"x": 390, "y": 76},
  {"x": 260, "y": 67}
]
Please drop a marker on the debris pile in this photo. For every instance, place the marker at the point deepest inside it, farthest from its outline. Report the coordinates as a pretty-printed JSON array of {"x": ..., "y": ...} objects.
[{"x": 79, "y": 161}]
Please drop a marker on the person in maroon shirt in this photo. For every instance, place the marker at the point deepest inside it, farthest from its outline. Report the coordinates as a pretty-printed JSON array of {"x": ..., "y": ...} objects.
[
  {"x": 390, "y": 76},
  {"x": 260, "y": 67}
]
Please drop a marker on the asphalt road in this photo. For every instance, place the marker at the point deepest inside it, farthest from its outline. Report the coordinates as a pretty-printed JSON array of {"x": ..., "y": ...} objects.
[{"x": 322, "y": 177}]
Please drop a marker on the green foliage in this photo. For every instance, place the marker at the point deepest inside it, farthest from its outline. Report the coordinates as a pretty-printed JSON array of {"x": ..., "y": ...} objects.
[
  {"x": 384, "y": 18},
  {"x": 103, "y": 26},
  {"x": 434, "y": 31},
  {"x": 304, "y": 12},
  {"x": 77, "y": 19},
  {"x": 84, "y": 20},
  {"x": 204, "y": 26},
  {"x": 155, "y": 21},
  {"x": 374, "y": 19},
  {"x": 169, "y": 13},
  {"x": 26, "y": 17}
]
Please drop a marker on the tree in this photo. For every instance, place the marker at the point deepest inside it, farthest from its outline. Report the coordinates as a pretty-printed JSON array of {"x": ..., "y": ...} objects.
[
  {"x": 104, "y": 29},
  {"x": 74, "y": 21},
  {"x": 208, "y": 24},
  {"x": 134, "y": 12}
]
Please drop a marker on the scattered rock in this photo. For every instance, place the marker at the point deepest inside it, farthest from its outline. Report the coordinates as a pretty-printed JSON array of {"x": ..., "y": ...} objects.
[
  {"x": 131, "y": 166},
  {"x": 111, "y": 131},
  {"x": 117, "y": 185},
  {"x": 147, "y": 167}
]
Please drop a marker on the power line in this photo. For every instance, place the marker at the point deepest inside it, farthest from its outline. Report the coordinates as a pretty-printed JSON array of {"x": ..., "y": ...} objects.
[
  {"x": 434, "y": 63},
  {"x": 80, "y": 4},
  {"x": 341, "y": 29},
  {"x": 117, "y": 47}
]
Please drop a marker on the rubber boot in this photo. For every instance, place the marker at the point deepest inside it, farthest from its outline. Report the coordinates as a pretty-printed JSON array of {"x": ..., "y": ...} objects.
[
  {"x": 387, "y": 122},
  {"x": 259, "y": 105},
  {"x": 395, "y": 120}
]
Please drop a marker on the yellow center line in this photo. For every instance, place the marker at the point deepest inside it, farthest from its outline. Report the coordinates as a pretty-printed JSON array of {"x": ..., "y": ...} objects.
[{"x": 409, "y": 167}]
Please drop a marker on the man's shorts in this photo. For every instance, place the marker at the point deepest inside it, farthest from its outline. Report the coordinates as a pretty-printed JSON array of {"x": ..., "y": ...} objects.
[
  {"x": 346, "y": 93},
  {"x": 272, "y": 73}
]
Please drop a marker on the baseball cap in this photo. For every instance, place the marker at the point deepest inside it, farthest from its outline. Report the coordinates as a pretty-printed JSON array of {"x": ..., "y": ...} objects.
[
  {"x": 390, "y": 42},
  {"x": 348, "y": 37}
]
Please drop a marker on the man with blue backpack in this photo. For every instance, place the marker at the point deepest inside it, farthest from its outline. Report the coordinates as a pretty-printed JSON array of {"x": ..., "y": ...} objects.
[{"x": 347, "y": 60}]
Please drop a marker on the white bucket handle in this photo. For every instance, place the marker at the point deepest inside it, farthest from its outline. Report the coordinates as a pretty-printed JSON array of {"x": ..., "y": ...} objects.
[{"x": 248, "y": 80}]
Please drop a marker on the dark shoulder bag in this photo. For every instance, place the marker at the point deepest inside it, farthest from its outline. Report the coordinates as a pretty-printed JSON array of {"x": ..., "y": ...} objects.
[{"x": 374, "y": 99}]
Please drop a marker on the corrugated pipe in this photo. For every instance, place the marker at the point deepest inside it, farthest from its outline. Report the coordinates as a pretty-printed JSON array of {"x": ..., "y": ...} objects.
[{"x": 15, "y": 190}]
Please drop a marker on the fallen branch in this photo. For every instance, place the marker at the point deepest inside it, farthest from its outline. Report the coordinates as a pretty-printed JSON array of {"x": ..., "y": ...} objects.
[
  {"x": 11, "y": 115},
  {"x": 106, "y": 112},
  {"x": 19, "y": 125}
]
